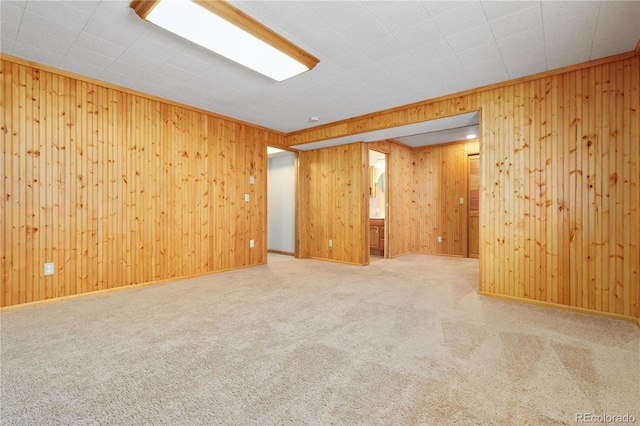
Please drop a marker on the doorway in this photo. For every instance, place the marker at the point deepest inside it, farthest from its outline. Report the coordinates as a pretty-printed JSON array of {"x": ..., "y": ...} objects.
[
  {"x": 377, "y": 205},
  {"x": 281, "y": 188}
]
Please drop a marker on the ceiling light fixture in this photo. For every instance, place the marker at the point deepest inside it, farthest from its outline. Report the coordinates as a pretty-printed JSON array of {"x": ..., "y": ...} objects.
[
  {"x": 471, "y": 136},
  {"x": 314, "y": 119},
  {"x": 227, "y": 31}
]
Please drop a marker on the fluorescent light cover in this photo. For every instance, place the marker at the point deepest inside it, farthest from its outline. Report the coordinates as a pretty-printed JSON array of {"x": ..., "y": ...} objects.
[{"x": 197, "y": 24}]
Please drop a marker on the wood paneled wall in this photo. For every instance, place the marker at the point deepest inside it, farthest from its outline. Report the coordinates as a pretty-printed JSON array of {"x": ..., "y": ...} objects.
[
  {"x": 118, "y": 189},
  {"x": 560, "y": 170},
  {"x": 333, "y": 194},
  {"x": 440, "y": 179},
  {"x": 559, "y": 207},
  {"x": 400, "y": 192}
]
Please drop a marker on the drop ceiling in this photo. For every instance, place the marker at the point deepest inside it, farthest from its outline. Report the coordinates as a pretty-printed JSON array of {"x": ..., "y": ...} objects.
[{"x": 374, "y": 55}]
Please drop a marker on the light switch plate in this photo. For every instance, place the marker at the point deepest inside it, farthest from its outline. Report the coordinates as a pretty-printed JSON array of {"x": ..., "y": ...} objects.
[{"x": 246, "y": 197}]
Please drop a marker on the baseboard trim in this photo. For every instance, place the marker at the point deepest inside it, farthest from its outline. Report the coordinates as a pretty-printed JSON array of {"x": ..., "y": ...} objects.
[
  {"x": 286, "y": 253},
  {"x": 114, "y": 289},
  {"x": 344, "y": 262},
  {"x": 562, "y": 307}
]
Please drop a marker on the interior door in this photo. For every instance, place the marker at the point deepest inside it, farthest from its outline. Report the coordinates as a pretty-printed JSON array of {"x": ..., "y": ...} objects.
[{"x": 474, "y": 206}]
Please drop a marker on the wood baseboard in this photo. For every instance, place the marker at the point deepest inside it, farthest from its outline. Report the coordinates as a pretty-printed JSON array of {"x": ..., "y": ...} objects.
[
  {"x": 286, "y": 253},
  {"x": 111, "y": 290},
  {"x": 562, "y": 307}
]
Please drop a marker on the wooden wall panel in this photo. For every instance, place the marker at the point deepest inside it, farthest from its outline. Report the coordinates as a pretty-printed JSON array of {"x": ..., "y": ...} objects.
[
  {"x": 559, "y": 202},
  {"x": 559, "y": 208},
  {"x": 118, "y": 189},
  {"x": 400, "y": 193},
  {"x": 440, "y": 179},
  {"x": 559, "y": 196},
  {"x": 333, "y": 192}
]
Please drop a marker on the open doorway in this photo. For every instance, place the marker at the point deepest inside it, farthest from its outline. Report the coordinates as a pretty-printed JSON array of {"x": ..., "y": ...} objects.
[
  {"x": 281, "y": 188},
  {"x": 377, "y": 205}
]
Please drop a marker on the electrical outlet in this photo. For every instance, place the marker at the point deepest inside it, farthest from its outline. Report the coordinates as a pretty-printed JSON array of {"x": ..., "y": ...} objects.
[
  {"x": 252, "y": 180},
  {"x": 330, "y": 243},
  {"x": 49, "y": 269},
  {"x": 439, "y": 239},
  {"x": 246, "y": 197},
  {"x": 252, "y": 243},
  {"x": 461, "y": 200}
]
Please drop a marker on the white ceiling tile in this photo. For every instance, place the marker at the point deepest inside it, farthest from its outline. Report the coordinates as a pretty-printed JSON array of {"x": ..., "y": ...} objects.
[
  {"x": 32, "y": 53},
  {"x": 401, "y": 60},
  {"x": 119, "y": 79},
  {"x": 574, "y": 27},
  {"x": 152, "y": 50},
  {"x": 60, "y": 12},
  {"x": 559, "y": 11},
  {"x": 430, "y": 52},
  {"x": 20, "y": 4},
  {"x": 163, "y": 38},
  {"x": 492, "y": 69},
  {"x": 126, "y": 69},
  {"x": 7, "y": 45},
  {"x": 558, "y": 57},
  {"x": 479, "y": 54},
  {"x": 10, "y": 15},
  {"x": 8, "y": 31},
  {"x": 96, "y": 44},
  {"x": 414, "y": 36},
  {"x": 351, "y": 59},
  {"x": 468, "y": 38},
  {"x": 381, "y": 48},
  {"x": 340, "y": 16},
  {"x": 394, "y": 17},
  {"x": 370, "y": 72},
  {"x": 525, "y": 62},
  {"x": 89, "y": 57},
  {"x": 88, "y": 6},
  {"x": 523, "y": 40},
  {"x": 436, "y": 8},
  {"x": 164, "y": 78},
  {"x": 116, "y": 22},
  {"x": 512, "y": 24},
  {"x": 494, "y": 10},
  {"x": 132, "y": 57},
  {"x": 188, "y": 63},
  {"x": 617, "y": 29},
  {"x": 81, "y": 67},
  {"x": 46, "y": 35},
  {"x": 468, "y": 16}
]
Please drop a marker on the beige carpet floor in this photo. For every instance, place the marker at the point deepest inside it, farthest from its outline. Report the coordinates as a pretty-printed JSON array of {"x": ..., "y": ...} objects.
[{"x": 400, "y": 342}]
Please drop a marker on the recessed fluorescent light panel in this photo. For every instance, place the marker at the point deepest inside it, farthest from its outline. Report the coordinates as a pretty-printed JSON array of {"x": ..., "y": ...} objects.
[{"x": 225, "y": 30}]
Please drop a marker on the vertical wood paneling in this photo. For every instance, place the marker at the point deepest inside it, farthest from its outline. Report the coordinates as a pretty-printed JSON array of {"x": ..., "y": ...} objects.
[
  {"x": 332, "y": 203},
  {"x": 440, "y": 180},
  {"x": 117, "y": 189},
  {"x": 580, "y": 182},
  {"x": 559, "y": 185},
  {"x": 559, "y": 188}
]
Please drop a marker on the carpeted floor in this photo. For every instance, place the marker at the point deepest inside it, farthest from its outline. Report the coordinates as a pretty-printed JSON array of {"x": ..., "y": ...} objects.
[{"x": 402, "y": 341}]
